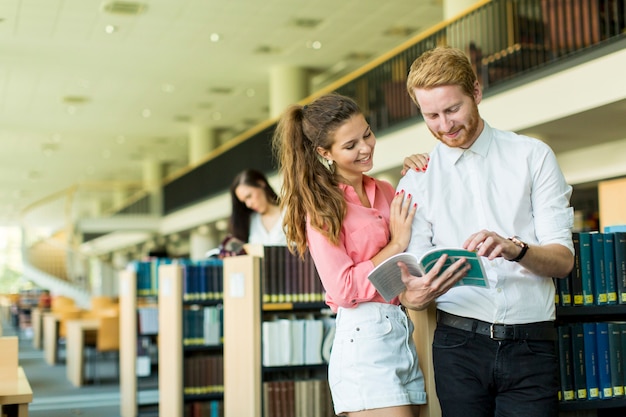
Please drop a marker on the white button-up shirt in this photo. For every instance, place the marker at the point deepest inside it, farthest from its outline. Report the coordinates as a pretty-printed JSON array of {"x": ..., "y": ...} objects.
[{"x": 506, "y": 183}]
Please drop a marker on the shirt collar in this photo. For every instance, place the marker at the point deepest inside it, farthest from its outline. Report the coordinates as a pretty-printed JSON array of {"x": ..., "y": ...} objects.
[{"x": 479, "y": 147}]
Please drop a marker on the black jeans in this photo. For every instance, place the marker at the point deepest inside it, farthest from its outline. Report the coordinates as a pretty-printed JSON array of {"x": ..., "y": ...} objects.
[{"x": 476, "y": 376}]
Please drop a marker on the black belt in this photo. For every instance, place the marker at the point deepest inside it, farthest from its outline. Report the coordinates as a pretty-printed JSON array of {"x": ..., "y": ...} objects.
[{"x": 543, "y": 330}]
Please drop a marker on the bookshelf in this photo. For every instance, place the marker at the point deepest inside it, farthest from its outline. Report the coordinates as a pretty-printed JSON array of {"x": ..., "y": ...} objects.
[
  {"x": 138, "y": 393},
  {"x": 190, "y": 343},
  {"x": 598, "y": 270},
  {"x": 248, "y": 295}
]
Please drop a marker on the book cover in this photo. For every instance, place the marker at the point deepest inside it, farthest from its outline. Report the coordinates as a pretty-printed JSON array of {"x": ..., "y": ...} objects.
[
  {"x": 386, "y": 277},
  {"x": 619, "y": 240},
  {"x": 604, "y": 360},
  {"x": 578, "y": 360},
  {"x": 600, "y": 295},
  {"x": 616, "y": 359},
  {"x": 566, "y": 366},
  {"x": 586, "y": 268},
  {"x": 609, "y": 268},
  {"x": 591, "y": 361},
  {"x": 576, "y": 283}
]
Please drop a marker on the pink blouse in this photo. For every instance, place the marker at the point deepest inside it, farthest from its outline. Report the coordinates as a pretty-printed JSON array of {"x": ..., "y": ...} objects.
[{"x": 343, "y": 268}]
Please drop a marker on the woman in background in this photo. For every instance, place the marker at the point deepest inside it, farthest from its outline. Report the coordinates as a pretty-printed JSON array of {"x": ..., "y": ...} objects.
[{"x": 256, "y": 217}]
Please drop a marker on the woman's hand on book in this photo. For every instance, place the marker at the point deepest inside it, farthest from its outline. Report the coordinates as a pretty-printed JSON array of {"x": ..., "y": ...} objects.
[{"x": 421, "y": 291}]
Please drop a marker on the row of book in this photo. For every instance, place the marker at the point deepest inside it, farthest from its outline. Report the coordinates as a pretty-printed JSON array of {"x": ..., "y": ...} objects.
[
  {"x": 213, "y": 408},
  {"x": 147, "y": 272},
  {"x": 297, "y": 398},
  {"x": 203, "y": 374},
  {"x": 203, "y": 280},
  {"x": 591, "y": 360},
  {"x": 203, "y": 326},
  {"x": 288, "y": 278},
  {"x": 297, "y": 341},
  {"x": 599, "y": 273}
]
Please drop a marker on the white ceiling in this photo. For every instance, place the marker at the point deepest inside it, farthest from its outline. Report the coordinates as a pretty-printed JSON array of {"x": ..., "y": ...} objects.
[{"x": 74, "y": 99}]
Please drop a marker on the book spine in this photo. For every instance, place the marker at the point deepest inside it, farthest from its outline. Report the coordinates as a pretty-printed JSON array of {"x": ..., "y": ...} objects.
[
  {"x": 599, "y": 274},
  {"x": 604, "y": 360},
  {"x": 619, "y": 240},
  {"x": 591, "y": 361},
  {"x": 576, "y": 287},
  {"x": 586, "y": 268},
  {"x": 616, "y": 359},
  {"x": 578, "y": 360},
  {"x": 609, "y": 268},
  {"x": 566, "y": 364}
]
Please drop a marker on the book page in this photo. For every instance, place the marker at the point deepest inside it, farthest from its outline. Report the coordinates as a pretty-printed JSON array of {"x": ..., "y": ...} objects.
[{"x": 386, "y": 277}]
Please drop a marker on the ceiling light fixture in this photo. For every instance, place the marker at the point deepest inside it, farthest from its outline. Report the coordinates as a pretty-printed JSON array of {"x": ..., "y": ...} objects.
[
  {"x": 215, "y": 37},
  {"x": 110, "y": 29}
]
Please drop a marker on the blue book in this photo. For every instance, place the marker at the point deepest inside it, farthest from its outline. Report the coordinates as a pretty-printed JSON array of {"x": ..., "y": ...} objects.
[
  {"x": 591, "y": 361},
  {"x": 586, "y": 268},
  {"x": 619, "y": 240},
  {"x": 617, "y": 359},
  {"x": 576, "y": 282},
  {"x": 600, "y": 295},
  {"x": 578, "y": 360},
  {"x": 615, "y": 228},
  {"x": 604, "y": 360},
  {"x": 566, "y": 366},
  {"x": 609, "y": 268}
]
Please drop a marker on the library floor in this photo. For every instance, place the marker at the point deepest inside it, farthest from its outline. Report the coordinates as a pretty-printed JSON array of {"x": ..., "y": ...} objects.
[{"x": 55, "y": 396}]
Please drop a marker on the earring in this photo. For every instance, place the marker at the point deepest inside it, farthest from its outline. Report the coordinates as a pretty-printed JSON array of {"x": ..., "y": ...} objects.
[{"x": 330, "y": 162}]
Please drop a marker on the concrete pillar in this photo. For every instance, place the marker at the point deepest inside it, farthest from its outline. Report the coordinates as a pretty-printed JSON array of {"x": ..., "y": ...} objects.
[
  {"x": 288, "y": 85},
  {"x": 202, "y": 140},
  {"x": 152, "y": 177},
  {"x": 201, "y": 240}
]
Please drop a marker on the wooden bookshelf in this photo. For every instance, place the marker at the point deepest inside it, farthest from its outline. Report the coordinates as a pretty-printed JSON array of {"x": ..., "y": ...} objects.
[
  {"x": 244, "y": 316},
  {"x": 173, "y": 352},
  {"x": 242, "y": 335},
  {"x": 132, "y": 395}
]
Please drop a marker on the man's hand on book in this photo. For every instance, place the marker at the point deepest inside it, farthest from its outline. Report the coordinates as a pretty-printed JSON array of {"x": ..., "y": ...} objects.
[{"x": 421, "y": 291}]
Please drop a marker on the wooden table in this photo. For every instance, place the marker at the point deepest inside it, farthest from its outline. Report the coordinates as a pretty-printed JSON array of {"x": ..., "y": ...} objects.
[
  {"x": 15, "y": 395},
  {"x": 74, "y": 345},
  {"x": 50, "y": 337}
]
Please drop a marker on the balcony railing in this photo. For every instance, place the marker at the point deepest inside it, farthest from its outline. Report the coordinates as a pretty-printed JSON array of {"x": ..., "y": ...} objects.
[{"x": 505, "y": 40}]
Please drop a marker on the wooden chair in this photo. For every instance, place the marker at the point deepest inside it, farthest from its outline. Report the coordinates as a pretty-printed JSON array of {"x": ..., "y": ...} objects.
[
  {"x": 107, "y": 341},
  {"x": 65, "y": 313}
]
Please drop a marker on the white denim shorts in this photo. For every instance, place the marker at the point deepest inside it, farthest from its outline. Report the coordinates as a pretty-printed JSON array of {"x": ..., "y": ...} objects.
[{"x": 373, "y": 363}]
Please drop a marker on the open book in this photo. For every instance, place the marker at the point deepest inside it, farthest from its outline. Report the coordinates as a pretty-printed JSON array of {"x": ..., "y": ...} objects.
[{"x": 386, "y": 277}]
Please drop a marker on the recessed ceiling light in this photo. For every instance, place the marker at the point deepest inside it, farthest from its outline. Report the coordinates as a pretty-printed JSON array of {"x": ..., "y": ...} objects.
[
  {"x": 306, "y": 23},
  {"x": 215, "y": 37},
  {"x": 146, "y": 113},
  {"x": 110, "y": 29},
  {"x": 220, "y": 90},
  {"x": 124, "y": 7},
  {"x": 75, "y": 100},
  {"x": 314, "y": 45},
  {"x": 266, "y": 50}
]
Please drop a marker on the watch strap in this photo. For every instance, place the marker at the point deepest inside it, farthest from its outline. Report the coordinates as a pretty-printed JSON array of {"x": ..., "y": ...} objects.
[{"x": 522, "y": 245}]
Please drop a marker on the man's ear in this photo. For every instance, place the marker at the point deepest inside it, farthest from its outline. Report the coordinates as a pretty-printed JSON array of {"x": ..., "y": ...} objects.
[{"x": 478, "y": 92}]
